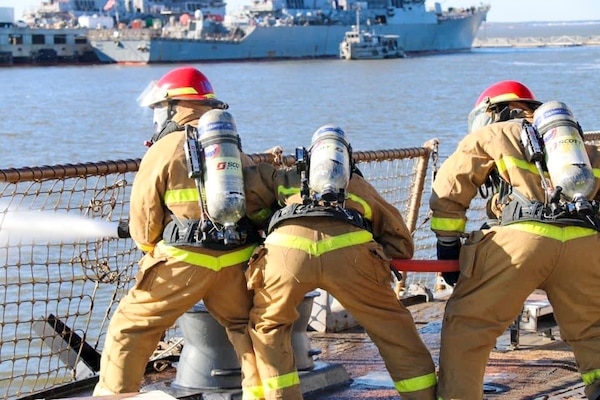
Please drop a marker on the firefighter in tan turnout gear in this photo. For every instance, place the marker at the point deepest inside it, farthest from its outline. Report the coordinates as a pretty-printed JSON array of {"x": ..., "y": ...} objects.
[
  {"x": 337, "y": 234},
  {"x": 543, "y": 187},
  {"x": 194, "y": 249}
]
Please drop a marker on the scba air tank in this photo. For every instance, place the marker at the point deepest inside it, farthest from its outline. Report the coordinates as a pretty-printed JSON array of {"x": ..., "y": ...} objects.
[
  {"x": 329, "y": 171},
  {"x": 223, "y": 177},
  {"x": 565, "y": 154}
]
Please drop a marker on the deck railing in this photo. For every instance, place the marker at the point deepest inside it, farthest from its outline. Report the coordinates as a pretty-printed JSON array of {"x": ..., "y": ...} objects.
[
  {"x": 60, "y": 291},
  {"x": 59, "y": 285}
]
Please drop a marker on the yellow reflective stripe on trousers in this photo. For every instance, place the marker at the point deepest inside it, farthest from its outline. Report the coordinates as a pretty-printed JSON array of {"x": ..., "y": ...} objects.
[
  {"x": 253, "y": 393},
  {"x": 206, "y": 261},
  {"x": 591, "y": 377},
  {"x": 448, "y": 224},
  {"x": 562, "y": 234},
  {"x": 322, "y": 246},
  {"x": 282, "y": 381},
  {"x": 416, "y": 384}
]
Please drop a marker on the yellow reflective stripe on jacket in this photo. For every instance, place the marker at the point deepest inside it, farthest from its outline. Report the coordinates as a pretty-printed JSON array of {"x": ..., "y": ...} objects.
[
  {"x": 448, "y": 224},
  {"x": 368, "y": 211},
  {"x": 253, "y": 393},
  {"x": 206, "y": 261},
  {"x": 416, "y": 384},
  {"x": 260, "y": 215},
  {"x": 287, "y": 191},
  {"x": 368, "y": 214},
  {"x": 591, "y": 377},
  {"x": 181, "y": 196},
  {"x": 322, "y": 246},
  {"x": 282, "y": 381},
  {"x": 505, "y": 163},
  {"x": 560, "y": 233}
]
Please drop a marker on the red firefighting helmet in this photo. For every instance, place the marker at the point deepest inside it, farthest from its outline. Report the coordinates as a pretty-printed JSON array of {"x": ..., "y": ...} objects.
[
  {"x": 494, "y": 97},
  {"x": 507, "y": 91},
  {"x": 184, "y": 83}
]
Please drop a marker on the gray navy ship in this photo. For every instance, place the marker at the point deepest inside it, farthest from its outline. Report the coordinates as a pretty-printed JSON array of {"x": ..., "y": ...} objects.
[{"x": 286, "y": 29}]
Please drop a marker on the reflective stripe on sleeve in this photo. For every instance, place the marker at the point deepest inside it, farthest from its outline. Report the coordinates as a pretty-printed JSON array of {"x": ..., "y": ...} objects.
[
  {"x": 368, "y": 211},
  {"x": 505, "y": 163},
  {"x": 145, "y": 248},
  {"x": 203, "y": 260},
  {"x": 260, "y": 215},
  {"x": 322, "y": 246},
  {"x": 448, "y": 224},
  {"x": 417, "y": 383},
  {"x": 368, "y": 214},
  {"x": 181, "y": 196}
]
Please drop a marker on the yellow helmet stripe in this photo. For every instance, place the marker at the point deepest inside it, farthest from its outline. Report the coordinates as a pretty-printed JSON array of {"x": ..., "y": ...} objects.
[{"x": 187, "y": 90}]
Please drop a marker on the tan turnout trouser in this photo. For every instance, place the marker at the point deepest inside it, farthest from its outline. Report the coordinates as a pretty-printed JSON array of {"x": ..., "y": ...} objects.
[
  {"x": 358, "y": 276},
  {"x": 165, "y": 290},
  {"x": 500, "y": 268}
]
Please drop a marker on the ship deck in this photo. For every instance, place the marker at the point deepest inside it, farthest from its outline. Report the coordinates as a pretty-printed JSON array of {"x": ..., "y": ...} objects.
[{"x": 539, "y": 366}]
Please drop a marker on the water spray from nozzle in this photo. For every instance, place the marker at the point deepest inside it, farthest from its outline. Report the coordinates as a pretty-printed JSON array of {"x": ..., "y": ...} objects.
[{"x": 34, "y": 225}]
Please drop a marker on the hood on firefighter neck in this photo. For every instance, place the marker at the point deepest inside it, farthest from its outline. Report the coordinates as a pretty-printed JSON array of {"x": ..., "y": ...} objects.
[
  {"x": 188, "y": 112},
  {"x": 525, "y": 109}
]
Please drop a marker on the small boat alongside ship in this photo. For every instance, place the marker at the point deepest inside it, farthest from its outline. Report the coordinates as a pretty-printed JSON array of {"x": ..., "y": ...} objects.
[
  {"x": 288, "y": 29},
  {"x": 21, "y": 44},
  {"x": 359, "y": 44},
  {"x": 57, "y": 31}
]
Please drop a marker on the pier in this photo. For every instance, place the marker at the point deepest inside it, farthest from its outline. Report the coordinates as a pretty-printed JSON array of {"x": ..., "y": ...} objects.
[{"x": 537, "y": 41}]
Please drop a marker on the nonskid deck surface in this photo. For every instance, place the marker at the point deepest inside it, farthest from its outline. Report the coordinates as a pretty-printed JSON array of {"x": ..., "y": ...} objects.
[
  {"x": 349, "y": 366},
  {"x": 543, "y": 367}
]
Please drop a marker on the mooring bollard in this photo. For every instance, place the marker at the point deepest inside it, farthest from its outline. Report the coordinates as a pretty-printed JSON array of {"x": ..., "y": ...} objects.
[{"x": 208, "y": 360}]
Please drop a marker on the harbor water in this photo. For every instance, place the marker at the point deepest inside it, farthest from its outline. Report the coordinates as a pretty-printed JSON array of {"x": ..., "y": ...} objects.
[{"x": 71, "y": 114}]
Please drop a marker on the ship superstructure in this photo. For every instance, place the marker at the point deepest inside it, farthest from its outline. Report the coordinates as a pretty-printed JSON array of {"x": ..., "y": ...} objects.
[{"x": 287, "y": 29}]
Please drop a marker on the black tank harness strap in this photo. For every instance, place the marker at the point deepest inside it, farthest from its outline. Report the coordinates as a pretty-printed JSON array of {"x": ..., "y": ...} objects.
[
  {"x": 190, "y": 232},
  {"x": 520, "y": 208},
  {"x": 310, "y": 210},
  {"x": 170, "y": 127}
]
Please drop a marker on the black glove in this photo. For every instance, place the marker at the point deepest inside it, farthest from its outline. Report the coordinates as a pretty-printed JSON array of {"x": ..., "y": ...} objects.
[{"x": 449, "y": 249}]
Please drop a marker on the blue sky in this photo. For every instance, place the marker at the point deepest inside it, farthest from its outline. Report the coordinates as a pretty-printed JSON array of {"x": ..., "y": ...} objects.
[{"x": 502, "y": 10}]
